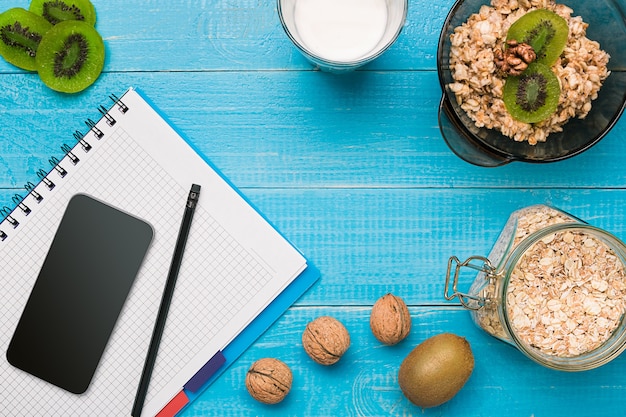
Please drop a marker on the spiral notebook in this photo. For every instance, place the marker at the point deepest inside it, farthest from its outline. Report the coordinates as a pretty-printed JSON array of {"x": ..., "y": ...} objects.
[{"x": 238, "y": 275}]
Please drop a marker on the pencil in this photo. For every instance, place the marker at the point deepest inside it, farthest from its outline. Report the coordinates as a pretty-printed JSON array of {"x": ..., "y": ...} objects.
[{"x": 166, "y": 300}]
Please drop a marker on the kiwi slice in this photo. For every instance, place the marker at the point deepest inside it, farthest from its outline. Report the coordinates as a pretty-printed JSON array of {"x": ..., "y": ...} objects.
[
  {"x": 534, "y": 95},
  {"x": 56, "y": 11},
  {"x": 70, "y": 56},
  {"x": 20, "y": 34},
  {"x": 544, "y": 30}
]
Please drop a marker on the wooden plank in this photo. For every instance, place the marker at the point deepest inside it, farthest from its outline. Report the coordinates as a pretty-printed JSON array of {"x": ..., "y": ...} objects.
[
  {"x": 227, "y": 35},
  {"x": 291, "y": 129},
  {"x": 364, "y": 381},
  {"x": 367, "y": 242}
]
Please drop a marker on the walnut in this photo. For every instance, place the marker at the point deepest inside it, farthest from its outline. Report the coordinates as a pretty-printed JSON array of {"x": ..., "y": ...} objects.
[
  {"x": 269, "y": 380},
  {"x": 515, "y": 59},
  {"x": 325, "y": 340},
  {"x": 390, "y": 319}
]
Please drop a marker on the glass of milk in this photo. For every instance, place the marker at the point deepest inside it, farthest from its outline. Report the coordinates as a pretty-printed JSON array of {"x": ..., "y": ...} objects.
[{"x": 341, "y": 35}]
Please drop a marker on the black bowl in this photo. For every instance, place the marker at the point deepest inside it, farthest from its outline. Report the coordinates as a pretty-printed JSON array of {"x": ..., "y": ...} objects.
[{"x": 488, "y": 147}]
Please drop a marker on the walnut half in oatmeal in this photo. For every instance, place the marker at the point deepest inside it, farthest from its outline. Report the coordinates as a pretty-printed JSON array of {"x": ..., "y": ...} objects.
[{"x": 478, "y": 84}]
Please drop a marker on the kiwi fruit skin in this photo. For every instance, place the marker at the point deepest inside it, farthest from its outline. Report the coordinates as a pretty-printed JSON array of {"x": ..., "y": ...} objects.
[
  {"x": 532, "y": 96},
  {"x": 20, "y": 35},
  {"x": 436, "y": 370},
  {"x": 56, "y": 11},
  {"x": 70, "y": 56},
  {"x": 544, "y": 30}
]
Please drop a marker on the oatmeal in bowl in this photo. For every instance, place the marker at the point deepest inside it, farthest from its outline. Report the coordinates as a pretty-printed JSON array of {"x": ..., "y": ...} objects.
[{"x": 530, "y": 80}]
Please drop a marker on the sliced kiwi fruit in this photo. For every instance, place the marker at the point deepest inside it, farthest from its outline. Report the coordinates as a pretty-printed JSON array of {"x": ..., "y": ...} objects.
[
  {"x": 20, "y": 34},
  {"x": 56, "y": 11},
  {"x": 544, "y": 30},
  {"x": 532, "y": 96},
  {"x": 70, "y": 56}
]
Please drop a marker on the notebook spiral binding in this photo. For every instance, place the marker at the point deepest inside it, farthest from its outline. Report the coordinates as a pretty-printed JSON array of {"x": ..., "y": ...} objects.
[{"x": 82, "y": 145}]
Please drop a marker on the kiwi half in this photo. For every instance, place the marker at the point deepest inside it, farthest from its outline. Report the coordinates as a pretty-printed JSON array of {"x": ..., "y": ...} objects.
[
  {"x": 544, "y": 30},
  {"x": 56, "y": 11},
  {"x": 532, "y": 96},
  {"x": 70, "y": 56},
  {"x": 20, "y": 34}
]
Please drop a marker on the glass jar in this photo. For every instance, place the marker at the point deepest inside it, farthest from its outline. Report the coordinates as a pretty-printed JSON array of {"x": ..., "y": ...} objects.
[{"x": 553, "y": 286}]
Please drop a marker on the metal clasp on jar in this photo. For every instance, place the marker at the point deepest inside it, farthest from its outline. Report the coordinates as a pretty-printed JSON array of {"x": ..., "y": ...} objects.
[{"x": 477, "y": 263}]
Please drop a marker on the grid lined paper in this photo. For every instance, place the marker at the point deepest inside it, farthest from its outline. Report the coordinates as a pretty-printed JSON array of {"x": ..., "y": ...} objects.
[{"x": 142, "y": 167}]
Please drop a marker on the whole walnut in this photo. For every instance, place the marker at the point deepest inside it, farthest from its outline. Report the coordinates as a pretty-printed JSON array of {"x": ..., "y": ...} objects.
[
  {"x": 325, "y": 340},
  {"x": 390, "y": 319},
  {"x": 269, "y": 380}
]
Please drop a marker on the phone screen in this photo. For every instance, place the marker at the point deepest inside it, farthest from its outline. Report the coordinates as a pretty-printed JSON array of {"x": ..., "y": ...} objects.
[{"x": 90, "y": 267}]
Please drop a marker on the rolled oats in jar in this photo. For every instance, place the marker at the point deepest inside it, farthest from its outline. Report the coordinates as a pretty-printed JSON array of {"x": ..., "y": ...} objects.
[{"x": 553, "y": 286}]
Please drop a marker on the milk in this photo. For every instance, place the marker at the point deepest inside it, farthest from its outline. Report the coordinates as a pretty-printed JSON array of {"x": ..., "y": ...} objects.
[{"x": 340, "y": 30}]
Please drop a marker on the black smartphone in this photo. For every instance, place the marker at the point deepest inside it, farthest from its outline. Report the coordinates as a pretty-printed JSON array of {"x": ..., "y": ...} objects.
[{"x": 84, "y": 281}]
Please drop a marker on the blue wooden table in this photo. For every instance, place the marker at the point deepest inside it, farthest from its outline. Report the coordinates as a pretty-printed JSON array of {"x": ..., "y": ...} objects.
[{"x": 351, "y": 168}]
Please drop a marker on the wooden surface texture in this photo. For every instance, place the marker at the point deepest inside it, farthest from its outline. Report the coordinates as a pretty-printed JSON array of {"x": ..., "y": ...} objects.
[{"x": 353, "y": 169}]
